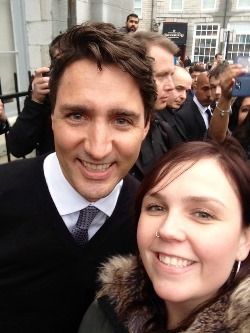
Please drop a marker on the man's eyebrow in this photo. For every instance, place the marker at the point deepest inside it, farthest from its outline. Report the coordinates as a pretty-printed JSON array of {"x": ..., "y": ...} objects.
[
  {"x": 73, "y": 107},
  {"x": 124, "y": 113},
  {"x": 68, "y": 107}
]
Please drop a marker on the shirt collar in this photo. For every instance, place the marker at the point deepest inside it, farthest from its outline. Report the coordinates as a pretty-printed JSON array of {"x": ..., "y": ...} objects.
[
  {"x": 201, "y": 107},
  {"x": 66, "y": 199}
]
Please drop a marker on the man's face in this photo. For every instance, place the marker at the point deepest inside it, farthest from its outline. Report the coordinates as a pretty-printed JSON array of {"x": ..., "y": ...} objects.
[
  {"x": 203, "y": 91},
  {"x": 215, "y": 88},
  {"x": 194, "y": 77},
  {"x": 163, "y": 68},
  {"x": 98, "y": 125},
  {"x": 182, "y": 82},
  {"x": 219, "y": 58},
  {"x": 132, "y": 24}
]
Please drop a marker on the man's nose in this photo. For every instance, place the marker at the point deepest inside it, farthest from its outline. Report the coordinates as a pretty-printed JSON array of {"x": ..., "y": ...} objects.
[
  {"x": 169, "y": 83},
  {"x": 98, "y": 141}
]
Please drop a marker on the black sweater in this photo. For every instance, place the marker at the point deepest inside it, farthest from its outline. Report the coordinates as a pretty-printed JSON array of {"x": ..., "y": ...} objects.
[{"x": 47, "y": 281}]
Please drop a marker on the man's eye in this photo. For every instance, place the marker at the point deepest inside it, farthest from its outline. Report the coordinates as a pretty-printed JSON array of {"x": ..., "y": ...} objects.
[
  {"x": 76, "y": 116},
  {"x": 154, "y": 208},
  {"x": 122, "y": 121}
]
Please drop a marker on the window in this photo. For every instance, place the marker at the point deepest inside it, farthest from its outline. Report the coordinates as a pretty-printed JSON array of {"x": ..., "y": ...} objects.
[
  {"x": 138, "y": 7},
  {"x": 208, "y": 4},
  {"x": 243, "y": 4},
  {"x": 205, "y": 42},
  {"x": 239, "y": 45},
  {"x": 176, "y": 5}
]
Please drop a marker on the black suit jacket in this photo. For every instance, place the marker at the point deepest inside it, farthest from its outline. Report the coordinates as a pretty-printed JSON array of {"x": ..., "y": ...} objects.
[{"x": 191, "y": 122}]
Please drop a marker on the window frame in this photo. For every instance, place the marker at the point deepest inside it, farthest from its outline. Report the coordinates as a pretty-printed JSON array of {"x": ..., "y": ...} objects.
[
  {"x": 176, "y": 10},
  {"x": 140, "y": 8},
  {"x": 205, "y": 37},
  {"x": 207, "y": 9},
  {"x": 241, "y": 8}
]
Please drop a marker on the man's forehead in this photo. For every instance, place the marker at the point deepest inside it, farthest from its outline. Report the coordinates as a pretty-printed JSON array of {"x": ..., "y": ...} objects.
[
  {"x": 133, "y": 19},
  {"x": 195, "y": 73},
  {"x": 214, "y": 80}
]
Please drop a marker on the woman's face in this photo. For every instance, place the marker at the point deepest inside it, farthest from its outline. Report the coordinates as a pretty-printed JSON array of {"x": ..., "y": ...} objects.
[
  {"x": 198, "y": 218},
  {"x": 244, "y": 109}
]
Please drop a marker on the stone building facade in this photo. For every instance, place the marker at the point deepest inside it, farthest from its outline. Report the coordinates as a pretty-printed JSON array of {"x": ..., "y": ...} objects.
[
  {"x": 213, "y": 25},
  {"x": 28, "y": 26}
]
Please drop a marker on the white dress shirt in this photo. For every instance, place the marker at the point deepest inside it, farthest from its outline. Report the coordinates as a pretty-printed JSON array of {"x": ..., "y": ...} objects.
[
  {"x": 69, "y": 202},
  {"x": 203, "y": 110}
]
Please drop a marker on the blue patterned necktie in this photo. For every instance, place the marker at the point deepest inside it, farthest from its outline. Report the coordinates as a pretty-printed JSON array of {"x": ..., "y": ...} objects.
[
  {"x": 80, "y": 230},
  {"x": 209, "y": 116}
]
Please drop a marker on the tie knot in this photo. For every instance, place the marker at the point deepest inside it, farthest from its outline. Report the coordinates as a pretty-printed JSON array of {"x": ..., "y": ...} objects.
[
  {"x": 86, "y": 216},
  {"x": 80, "y": 230}
]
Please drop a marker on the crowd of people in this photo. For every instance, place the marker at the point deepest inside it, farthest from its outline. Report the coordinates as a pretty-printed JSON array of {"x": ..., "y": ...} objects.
[{"x": 134, "y": 216}]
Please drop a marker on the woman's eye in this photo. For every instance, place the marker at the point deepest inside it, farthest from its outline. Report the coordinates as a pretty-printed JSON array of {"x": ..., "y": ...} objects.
[
  {"x": 245, "y": 109},
  {"x": 203, "y": 215}
]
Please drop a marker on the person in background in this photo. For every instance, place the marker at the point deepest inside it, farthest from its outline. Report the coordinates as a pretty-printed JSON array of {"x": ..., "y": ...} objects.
[
  {"x": 218, "y": 59},
  {"x": 161, "y": 136},
  {"x": 32, "y": 128},
  {"x": 195, "y": 115},
  {"x": 132, "y": 24},
  {"x": 219, "y": 124},
  {"x": 62, "y": 214},
  {"x": 195, "y": 71},
  {"x": 240, "y": 110},
  {"x": 182, "y": 84},
  {"x": 192, "y": 270},
  {"x": 187, "y": 62},
  {"x": 242, "y": 131},
  {"x": 4, "y": 124},
  {"x": 214, "y": 81}
]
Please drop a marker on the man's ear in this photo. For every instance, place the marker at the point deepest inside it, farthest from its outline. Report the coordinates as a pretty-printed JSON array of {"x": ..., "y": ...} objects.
[
  {"x": 52, "y": 120},
  {"x": 146, "y": 129},
  {"x": 244, "y": 245}
]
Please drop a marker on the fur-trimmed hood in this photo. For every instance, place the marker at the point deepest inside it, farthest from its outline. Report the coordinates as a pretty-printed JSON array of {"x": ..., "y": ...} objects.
[{"x": 123, "y": 284}]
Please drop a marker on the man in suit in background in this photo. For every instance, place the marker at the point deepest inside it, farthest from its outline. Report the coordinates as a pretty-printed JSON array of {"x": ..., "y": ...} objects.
[
  {"x": 195, "y": 115},
  {"x": 182, "y": 85},
  {"x": 63, "y": 214},
  {"x": 161, "y": 136}
]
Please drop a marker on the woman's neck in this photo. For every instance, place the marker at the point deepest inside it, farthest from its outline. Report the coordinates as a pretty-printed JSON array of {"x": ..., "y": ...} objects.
[{"x": 176, "y": 314}]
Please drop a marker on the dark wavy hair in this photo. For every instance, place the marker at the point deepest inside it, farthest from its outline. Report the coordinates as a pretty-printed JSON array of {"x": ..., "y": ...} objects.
[
  {"x": 103, "y": 44},
  {"x": 233, "y": 120},
  {"x": 232, "y": 159},
  {"x": 242, "y": 134}
]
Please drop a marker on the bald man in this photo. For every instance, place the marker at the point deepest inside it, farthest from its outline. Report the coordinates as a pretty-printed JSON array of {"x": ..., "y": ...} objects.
[
  {"x": 182, "y": 84},
  {"x": 195, "y": 115}
]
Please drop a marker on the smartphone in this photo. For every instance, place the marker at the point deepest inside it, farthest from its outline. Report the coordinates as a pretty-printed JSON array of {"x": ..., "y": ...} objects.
[{"x": 241, "y": 87}]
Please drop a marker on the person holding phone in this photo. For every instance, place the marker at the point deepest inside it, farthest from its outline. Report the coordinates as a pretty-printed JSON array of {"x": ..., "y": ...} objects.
[
  {"x": 4, "y": 124},
  {"x": 191, "y": 273},
  {"x": 218, "y": 128}
]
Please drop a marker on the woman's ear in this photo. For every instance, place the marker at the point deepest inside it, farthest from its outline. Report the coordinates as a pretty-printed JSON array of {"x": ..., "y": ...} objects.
[{"x": 244, "y": 245}]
